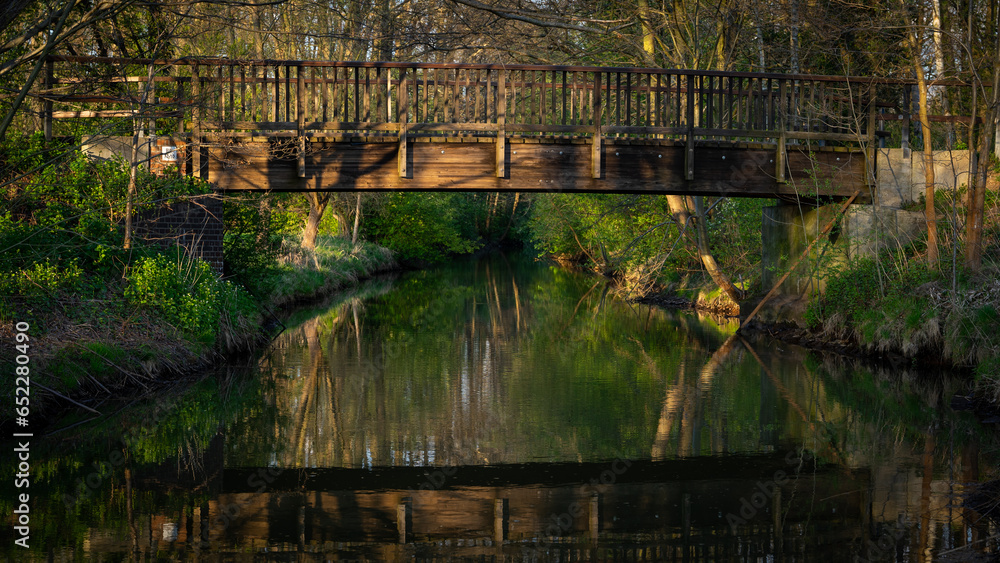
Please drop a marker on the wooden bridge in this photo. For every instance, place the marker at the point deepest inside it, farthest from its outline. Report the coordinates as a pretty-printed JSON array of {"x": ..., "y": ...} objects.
[{"x": 343, "y": 126}]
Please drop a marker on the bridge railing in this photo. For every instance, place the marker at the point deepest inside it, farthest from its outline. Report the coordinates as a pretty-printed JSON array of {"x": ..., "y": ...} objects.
[
  {"x": 237, "y": 96},
  {"x": 208, "y": 99}
]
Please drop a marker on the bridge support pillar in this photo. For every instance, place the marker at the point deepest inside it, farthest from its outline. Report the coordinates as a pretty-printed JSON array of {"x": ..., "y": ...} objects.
[{"x": 788, "y": 229}]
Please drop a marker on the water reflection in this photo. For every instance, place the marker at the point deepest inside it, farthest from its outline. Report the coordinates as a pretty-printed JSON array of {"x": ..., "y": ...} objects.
[{"x": 511, "y": 410}]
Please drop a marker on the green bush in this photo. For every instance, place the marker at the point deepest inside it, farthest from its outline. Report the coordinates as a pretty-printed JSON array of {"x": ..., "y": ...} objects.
[
  {"x": 252, "y": 243},
  {"x": 186, "y": 292},
  {"x": 420, "y": 226}
]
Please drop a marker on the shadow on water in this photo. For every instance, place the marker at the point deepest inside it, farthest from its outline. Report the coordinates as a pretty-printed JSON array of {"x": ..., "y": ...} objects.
[{"x": 511, "y": 410}]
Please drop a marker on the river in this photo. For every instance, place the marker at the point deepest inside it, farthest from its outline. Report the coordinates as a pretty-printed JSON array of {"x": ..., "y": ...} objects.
[{"x": 508, "y": 409}]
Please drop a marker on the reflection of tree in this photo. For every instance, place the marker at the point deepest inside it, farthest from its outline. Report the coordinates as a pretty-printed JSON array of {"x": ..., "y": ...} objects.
[
  {"x": 685, "y": 401},
  {"x": 492, "y": 362}
]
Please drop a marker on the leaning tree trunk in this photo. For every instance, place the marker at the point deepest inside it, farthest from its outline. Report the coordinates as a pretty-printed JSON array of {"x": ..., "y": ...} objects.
[{"x": 711, "y": 266}]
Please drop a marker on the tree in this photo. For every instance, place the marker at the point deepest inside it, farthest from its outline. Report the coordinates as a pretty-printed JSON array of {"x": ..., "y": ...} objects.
[{"x": 930, "y": 214}]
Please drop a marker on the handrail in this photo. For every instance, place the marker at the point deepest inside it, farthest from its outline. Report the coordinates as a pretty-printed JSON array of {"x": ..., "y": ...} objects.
[{"x": 220, "y": 61}]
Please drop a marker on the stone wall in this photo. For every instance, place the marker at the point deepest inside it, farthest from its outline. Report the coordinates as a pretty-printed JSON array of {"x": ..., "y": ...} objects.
[
  {"x": 194, "y": 223},
  {"x": 157, "y": 154},
  {"x": 788, "y": 229},
  {"x": 901, "y": 174}
]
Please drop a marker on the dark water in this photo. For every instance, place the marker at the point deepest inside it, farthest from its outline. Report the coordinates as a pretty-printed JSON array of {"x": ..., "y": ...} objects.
[{"x": 510, "y": 410}]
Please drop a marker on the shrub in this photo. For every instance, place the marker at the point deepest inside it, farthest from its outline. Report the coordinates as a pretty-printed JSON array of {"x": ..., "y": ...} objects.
[{"x": 185, "y": 291}]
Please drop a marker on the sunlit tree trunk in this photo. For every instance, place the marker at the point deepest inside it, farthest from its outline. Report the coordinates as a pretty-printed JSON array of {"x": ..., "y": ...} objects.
[
  {"x": 939, "y": 68},
  {"x": 711, "y": 266},
  {"x": 317, "y": 205},
  {"x": 930, "y": 214},
  {"x": 357, "y": 221}
]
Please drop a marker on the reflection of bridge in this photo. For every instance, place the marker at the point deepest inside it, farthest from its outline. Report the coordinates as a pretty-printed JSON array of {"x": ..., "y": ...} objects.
[{"x": 340, "y": 126}]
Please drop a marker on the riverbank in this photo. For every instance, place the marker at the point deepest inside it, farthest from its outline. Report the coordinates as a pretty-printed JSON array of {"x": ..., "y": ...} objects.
[
  {"x": 122, "y": 343},
  {"x": 909, "y": 316}
]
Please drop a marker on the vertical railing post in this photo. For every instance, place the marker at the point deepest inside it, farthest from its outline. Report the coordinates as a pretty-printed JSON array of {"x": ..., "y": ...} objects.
[
  {"x": 402, "y": 113},
  {"x": 502, "y": 123},
  {"x": 595, "y": 170},
  {"x": 780, "y": 122},
  {"x": 300, "y": 115},
  {"x": 196, "y": 122},
  {"x": 49, "y": 82},
  {"x": 500, "y": 520},
  {"x": 871, "y": 152},
  {"x": 404, "y": 519},
  {"x": 689, "y": 153}
]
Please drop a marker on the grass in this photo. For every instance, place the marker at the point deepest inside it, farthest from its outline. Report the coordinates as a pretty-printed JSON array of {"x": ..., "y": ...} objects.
[
  {"x": 87, "y": 348},
  {"x": 335, "y": 263}
]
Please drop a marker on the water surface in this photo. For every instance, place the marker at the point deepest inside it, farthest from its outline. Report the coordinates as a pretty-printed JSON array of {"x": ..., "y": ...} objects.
[{"x": 512, "y": 410}]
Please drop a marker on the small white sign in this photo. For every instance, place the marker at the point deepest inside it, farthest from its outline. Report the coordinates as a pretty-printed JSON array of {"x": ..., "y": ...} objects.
[{"x": 168, "y": 153}]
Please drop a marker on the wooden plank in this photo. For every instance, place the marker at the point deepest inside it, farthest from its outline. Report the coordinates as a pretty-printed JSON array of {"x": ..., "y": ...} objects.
[
  {"x": 779, "y": 157},
  {"x": 534, "y": 128},
  {"x": 545, "y": 167},
  {"x": 195, "y": 123},
  {"x": 453, "y": 127},
  {"x": 630, "y": 130}
]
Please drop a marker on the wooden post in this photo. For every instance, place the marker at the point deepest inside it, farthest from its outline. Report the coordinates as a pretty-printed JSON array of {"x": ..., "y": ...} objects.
[
  {"x": 594, "y": 521},
  {"x": 595, "y": 164},
  {"x": 404, "y": 519},
  {"x": 871, "y": 153},
  {"x": 180, "y": 100},
  {"x": 300, "y": 114},
  {"x": 500, "y": 519},
  {"x": 402, "y": 112},
  {"x": 196, "y": 123},
  {"x": 47, "y": 112},
  {"x": 780, "y": 154},
  {"x": 689, "y": 153},
  {"x": 502, "y": 124}
]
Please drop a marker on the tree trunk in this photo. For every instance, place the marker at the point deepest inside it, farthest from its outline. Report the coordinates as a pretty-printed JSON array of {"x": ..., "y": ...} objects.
[
  {"x": 794, "y": 37},
  {"x": 357, "y": 222},
  {"x": 134, "y": 160},
  {"x": 930, "y": 213},
  {"x": 648, "y": 47},
  {"x": 317, "y": 205},
  {"x": 939, "y": 69},
  {"x": 977, "y": 184},
  {"x": 711, "y": 266}
]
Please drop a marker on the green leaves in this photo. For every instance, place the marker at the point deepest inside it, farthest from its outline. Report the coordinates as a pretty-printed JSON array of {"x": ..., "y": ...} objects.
[
  {"x": 186, "y": 292},
  {"x": 425, "y": 227}
]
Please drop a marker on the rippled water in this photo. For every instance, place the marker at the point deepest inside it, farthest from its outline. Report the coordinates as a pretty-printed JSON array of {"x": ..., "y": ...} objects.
[{"x": 505, "y": 409}]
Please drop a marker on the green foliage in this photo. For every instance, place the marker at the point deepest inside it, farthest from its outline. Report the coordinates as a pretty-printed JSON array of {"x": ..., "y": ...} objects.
[
  {"x": 613, "y": 233},
  {"x": 185, "y": 291},
  {"x": 40, "y": 279},
  {"x": 252, "y": 242},
  {"x": 420, "y": 226},
  {"x": 851, "y": 290}
]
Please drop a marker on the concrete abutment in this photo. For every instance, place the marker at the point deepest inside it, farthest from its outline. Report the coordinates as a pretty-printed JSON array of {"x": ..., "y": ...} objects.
[{"x": 895, "y": 219}]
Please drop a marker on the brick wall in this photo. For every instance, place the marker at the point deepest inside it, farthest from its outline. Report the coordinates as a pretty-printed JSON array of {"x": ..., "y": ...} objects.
[{"x": 195, "y": 224}]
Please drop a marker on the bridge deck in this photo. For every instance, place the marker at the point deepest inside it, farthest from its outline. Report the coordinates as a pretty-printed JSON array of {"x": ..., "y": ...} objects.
[{"x": 341, "y": 126}]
